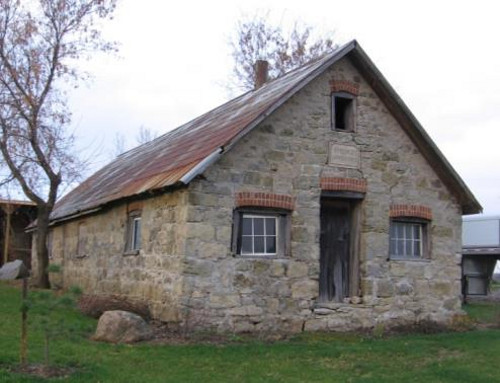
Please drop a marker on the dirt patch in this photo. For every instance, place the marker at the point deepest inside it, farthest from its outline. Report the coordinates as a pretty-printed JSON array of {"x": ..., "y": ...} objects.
[
  {"x": 43, "y": 371},
  {"x": 167, "y": 334}
]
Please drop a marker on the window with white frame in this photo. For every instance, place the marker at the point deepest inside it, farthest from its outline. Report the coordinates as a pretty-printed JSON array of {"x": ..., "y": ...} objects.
[
  {"x": 408, "y": 239},
  {"x": 261, "y": 232},
  {"x": 259, "y": 235},
  {"x": 134, "y": 232}
]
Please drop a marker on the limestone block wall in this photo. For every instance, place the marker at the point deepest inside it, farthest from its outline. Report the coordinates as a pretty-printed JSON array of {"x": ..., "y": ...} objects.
[
  {"x": 153, "y": 275},
  {"x": 288, "y": 154}
]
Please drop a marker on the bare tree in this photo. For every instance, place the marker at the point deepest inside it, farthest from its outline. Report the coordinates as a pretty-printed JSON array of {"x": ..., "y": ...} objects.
[
  {"x": 40, "y": 44},
  {"x": 257, "y": 38},
  {"x": 119, "y": 144},
  {"x": 145, "y": 135}
]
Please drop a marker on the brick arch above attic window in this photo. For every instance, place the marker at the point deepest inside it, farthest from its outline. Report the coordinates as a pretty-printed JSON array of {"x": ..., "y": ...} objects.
[{"x": 346, "y": 86}]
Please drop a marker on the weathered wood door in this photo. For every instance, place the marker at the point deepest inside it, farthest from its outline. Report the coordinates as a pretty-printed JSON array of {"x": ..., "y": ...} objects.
[{"x": 335, "y": 250}]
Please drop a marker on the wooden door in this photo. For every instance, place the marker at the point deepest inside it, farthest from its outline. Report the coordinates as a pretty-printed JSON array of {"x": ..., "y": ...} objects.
[{"x": 335, "y": 250}]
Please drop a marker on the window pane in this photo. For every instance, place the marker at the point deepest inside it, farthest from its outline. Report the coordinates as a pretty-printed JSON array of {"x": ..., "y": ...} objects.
[
  {"x": 270, "y": 226},
  {"x": 258, "y": 245},
  {"x": 399, "y": 230},
  {"x": 247, "y": 226},
  {"x": 246, "y": 245},
  {"x": 417, "y": 249},
  {"x": 401, "y": 248},
  {"x": 271, "y": 245},
  {"x": 258, "y": 226},
  {"x": 416, "y": 229},
  {"x": 408, "y": 231},
  {"x": 136, "y": 243},
  {"x": 409, "y": 250}
]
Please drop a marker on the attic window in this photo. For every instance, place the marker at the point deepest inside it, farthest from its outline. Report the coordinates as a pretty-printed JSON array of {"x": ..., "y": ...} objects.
[{"x": 343, "y": 111}]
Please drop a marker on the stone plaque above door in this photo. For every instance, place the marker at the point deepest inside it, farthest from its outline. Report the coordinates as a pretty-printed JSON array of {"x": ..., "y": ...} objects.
[{"x": 346, "y": 156}]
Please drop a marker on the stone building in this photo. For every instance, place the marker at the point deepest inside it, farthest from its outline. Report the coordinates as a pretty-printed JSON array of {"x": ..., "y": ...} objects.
[{"x": 315, "y": 201}]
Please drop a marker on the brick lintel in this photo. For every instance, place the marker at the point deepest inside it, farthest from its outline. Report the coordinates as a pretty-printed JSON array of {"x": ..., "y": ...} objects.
[
  {"x": 416, "y": 211},
  {"x": 344, "y": 86},
  {"x": 343, "y": 184},
  {"x": 264, "y": 199}
]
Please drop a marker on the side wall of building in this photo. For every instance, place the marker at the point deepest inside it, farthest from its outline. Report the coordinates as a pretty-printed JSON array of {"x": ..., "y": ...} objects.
[
  {"x": 288, "y": 155},
  {"x": 100, "y": 264}
]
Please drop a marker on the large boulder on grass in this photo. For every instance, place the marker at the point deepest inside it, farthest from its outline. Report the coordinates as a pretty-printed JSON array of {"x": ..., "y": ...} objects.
[
  {"x": 122, "y": 327},
  {"x": 13, "y": 270}
]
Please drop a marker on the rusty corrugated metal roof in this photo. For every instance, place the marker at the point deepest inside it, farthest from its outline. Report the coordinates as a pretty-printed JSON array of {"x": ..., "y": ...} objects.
[
  {"x": 165, "y": 160},
  {"x": 177, "y": 156}
]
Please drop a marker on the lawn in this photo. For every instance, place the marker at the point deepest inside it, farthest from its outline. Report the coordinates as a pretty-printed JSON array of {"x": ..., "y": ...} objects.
[{"x": 446, "y": 357}]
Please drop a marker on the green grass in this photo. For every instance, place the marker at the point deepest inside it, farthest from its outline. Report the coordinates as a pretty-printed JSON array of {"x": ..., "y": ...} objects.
[
  {"x": 484, "y": 312},
  {"x": 445, "y": 357}
]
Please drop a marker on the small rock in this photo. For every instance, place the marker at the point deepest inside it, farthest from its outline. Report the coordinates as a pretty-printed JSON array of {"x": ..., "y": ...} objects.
[{"x": 122, "y": 327}]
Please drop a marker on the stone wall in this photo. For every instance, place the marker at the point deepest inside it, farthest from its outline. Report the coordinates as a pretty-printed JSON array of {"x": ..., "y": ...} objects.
[
  {"x": 153, "y": 275},
  {"x": 288, "y": 154}
]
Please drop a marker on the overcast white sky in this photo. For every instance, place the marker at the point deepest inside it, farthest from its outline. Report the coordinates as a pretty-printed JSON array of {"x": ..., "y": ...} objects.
[{"x": 442, "y": 58}]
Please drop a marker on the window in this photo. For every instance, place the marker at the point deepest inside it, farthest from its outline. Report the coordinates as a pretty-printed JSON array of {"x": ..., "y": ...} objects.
[
  {"x": 134, "y": 233},
  {"x": 408, "y": 239},
  {"x": 343, "y": 111},
  {"x": 258, "y": 235},
  {"x": 81, "y": 248},
  {"x": 261, "y": 232}
]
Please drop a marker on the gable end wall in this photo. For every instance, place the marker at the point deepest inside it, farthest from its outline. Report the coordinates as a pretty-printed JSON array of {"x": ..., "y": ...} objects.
[{"x": 287, "y": 155}]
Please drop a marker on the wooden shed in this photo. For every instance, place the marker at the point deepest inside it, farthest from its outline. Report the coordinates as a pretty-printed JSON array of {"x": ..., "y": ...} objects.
[{"x": 15, "y": 243}]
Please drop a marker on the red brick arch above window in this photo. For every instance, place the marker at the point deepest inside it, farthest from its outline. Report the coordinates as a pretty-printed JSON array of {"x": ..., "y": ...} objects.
[
  {"x": 343, "y": 184},
  {"x": 263, "y": 199},
  {"x": 344, "y": 86},
  {"x": 416, "y": 211}
]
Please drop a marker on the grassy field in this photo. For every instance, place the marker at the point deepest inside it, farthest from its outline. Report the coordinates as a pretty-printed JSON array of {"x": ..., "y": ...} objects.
[{"x": 446, "y": 357}]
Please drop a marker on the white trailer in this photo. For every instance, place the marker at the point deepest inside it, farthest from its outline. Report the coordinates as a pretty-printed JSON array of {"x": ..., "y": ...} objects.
[{"x": 480, "y": 252}]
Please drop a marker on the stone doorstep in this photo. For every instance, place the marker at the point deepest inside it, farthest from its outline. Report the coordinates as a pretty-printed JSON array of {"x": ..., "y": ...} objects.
[{"x": 327, "y": 308}]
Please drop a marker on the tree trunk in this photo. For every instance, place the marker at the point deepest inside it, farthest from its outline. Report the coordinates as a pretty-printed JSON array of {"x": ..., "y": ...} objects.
[
  {"x": 42, "y": 253},
  {"x": 24, "y": 324}
]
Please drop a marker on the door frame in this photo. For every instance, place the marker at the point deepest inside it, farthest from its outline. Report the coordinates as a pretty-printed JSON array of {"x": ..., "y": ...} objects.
[{"x": 354, "y": 200}]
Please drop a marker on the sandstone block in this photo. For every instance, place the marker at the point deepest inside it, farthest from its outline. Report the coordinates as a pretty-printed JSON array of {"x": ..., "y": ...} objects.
[
  {"x": 297, "y": 269},
  {"x": 224, "y": 301},
  {"x": 305, "y": 289},
  {"x": 246, "y": 311},
  {"x": 385, "y": 288},
  {"x": 277, "y": 269}
]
